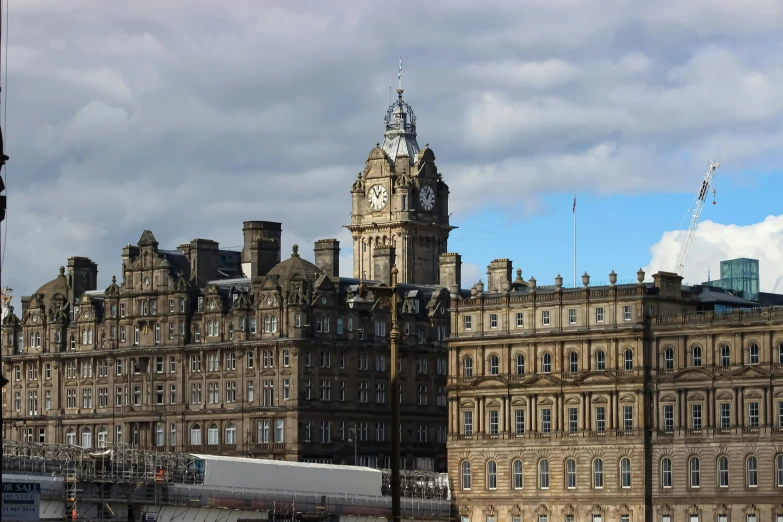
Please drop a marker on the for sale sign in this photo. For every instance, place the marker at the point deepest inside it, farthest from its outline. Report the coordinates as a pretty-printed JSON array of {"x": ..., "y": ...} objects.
[{"x": 21, "y": 501}]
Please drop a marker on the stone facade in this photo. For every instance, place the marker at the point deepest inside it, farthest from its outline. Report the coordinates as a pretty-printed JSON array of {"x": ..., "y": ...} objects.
[
  {"x": 200, "y": 349},
  {"x": 594, "y": 403}
]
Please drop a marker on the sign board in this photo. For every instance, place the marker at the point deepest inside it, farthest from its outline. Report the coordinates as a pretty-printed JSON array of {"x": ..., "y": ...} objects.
[{"x": 21, "y": 501}]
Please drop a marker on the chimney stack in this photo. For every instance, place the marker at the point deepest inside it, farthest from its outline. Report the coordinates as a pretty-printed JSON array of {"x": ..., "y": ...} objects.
[
  {"x": 451, "y": 272},
  {"x": 262, "y": 244},
  {"x": 499, "y": 275},
  {"x": 327, "y": 256},
  {"x": 383, "y": 261}
]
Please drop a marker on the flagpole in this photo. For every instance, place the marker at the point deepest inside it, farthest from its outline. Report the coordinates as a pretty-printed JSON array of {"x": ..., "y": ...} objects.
[{"x": 574, "y": 241}]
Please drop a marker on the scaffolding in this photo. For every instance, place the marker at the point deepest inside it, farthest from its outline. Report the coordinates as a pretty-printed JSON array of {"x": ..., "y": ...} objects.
[{"x": 122, "y": 476}]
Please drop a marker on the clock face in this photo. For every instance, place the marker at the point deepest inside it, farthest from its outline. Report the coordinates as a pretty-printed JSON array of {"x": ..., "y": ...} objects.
[
  {"x": 377, "y": 197},
  {"x": 427, "y": 197}
]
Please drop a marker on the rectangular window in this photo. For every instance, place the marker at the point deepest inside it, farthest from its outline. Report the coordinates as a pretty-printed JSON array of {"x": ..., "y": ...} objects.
[
  {"x": 696, "y": 416},
  {"x": 286, "y": 389},
  {"x": 520, "y": 320},
  {"x": 279, "y": 430},
  {"x": 753, "y": 414},
  {"x": 627, "y": 313},
  {"x": 725, "y": 416},
  {"x": 493, "y": 320},
  {"x": 339, "y": 326},
  {"x": 546, "y": 420},
  {"x": 628, "y": 418},
  {"x": 668, "y": 417},
  {"x": 572, "y": 316},
  {"x": 468, "y": 322},
  {"x": 545, "y": 317},
  {"x": 467, "y": 423},
  {"x": 519, "y": 421},
  {"x": 600, "y": 418},
  {"x": 493, "y": 422},
  {"x": 599, "y": 315},
  {"x": 780, "y": 417},
  {"x": 572, "y": 419}
]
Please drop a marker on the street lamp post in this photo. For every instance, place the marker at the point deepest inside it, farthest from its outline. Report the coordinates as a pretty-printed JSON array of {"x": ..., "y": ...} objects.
[
  {"x": 389, "y": 294},
  {"x": 353, "y": 436}
]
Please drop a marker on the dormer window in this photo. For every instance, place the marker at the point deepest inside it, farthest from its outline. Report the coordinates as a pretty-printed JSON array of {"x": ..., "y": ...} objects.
[
  {"x": 153, "y": 308},
  {"x": 200, "y": 303}
]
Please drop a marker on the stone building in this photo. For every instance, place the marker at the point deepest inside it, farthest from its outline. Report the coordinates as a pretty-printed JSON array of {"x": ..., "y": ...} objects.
[
  {"x": 200, "y": 349},
  {"x": 620, "y": 402}
]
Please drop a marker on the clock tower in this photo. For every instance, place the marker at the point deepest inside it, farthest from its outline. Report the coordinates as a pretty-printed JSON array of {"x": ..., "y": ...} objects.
[{"x": 400, "y": 201}]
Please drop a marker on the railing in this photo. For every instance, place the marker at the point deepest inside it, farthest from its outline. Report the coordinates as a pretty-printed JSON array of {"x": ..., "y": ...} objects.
[
  {"x": 697, "y": 318},
  {"x": 547, "y": 435}
]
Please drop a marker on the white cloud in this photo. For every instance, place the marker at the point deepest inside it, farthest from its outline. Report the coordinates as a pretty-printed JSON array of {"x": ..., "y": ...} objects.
[
  {"x": 715, "y": 242},
  {"x": 187, "y": 118}
]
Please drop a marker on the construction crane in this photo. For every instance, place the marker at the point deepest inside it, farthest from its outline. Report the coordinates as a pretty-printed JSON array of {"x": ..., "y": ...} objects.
[{"x": 697, "y": 206}]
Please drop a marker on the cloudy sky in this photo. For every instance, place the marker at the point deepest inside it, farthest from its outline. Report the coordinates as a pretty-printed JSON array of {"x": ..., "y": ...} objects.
[{"x": 187, "y": 117}]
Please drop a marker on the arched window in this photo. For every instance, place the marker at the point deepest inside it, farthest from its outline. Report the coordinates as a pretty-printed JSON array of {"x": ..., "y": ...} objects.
[
  {"x": 573, "y": 362},
  {"x": 753, "y": 472},
  {"x": 213, "y": 434},
  {"x": 466, "y": 475},
  {"x": 159, "y": 436},
  {"x": 103, "y": 435},
  {"x": 666, "y": 472},
  {"x": 87, "y": 438},
  {"x": 516, "y": 469},
  {"x": 753, "y": 353},
  {"x": 70, "y": 437},
  {"x": 600, "y": 360},
  {"x": 725, "y": 355},
  {"x": 230, "y": 331},
  {"x": 625, "y": 472},
  {"x": 467, "y": 368},
  {"x": 628, "y": 359},
  {"x": 723, "y": 472},
  {"x": 695, "y": 472},
  {"x": 492, "y": 475},
  {"x": 231, "y": 433},
  {"x": 195, "y": 435},
  {"x": 520, "y": 364},
  {"x": 274, "y": 323},
  {"x": 696, "y": 356},
  {"x": 494, "y": 366},
  {"x": 668, "y": 358},
  {"x": 779, "y": 470},
  {"x": 543, "y": 474},
  {"x": 598, "y": 474},
  {"x": 570, "y": 470},
  {"x": 546, "y": 363}
]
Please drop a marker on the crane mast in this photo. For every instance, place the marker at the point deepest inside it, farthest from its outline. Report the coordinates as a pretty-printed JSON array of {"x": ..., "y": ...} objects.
[{"x": 698, "y": 206}]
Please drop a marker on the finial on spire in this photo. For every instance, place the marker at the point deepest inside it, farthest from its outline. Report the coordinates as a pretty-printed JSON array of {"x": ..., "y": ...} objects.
[
  {"x": 295, "y": 251},
  {"x": 399, "y": 79}
]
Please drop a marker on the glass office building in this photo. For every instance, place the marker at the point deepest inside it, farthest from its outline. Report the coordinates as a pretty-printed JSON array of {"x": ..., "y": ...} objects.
[{"x": 740, "y": 276}]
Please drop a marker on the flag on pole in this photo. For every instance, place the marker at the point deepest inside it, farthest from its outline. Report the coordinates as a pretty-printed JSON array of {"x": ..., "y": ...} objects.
[{"x": 573, "y": 209}]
